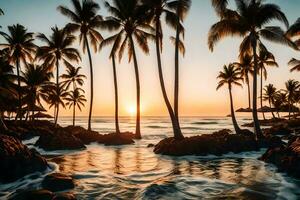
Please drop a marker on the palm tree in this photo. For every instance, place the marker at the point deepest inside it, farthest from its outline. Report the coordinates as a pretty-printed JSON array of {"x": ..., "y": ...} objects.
[
  {"x": 294, "y": 32},
  {"x": 86, "y": 21},
  {"x": 20, "y": 48},
  {"x": 128, "y": 18},
  {"x": 231, "y": 75},
  {"x": 249, "y": 21},
  {"x": 292, "y": 87},
  {"x": 270, "y": 95},
  {"x": 279, "y": 101},
  {"x": 58, "y": 48},
  {"x": 36, "y": 79},
  {"x": 75, "y": 98},
  {"x": 54, "y": 97},
  {"x": 265, "y": 58},
  {"x": 246, "y": 68},
  {"x": 157, "y": 8},
  {"x": 72, "y": 76},
  {"x": 1, "y": 13}
]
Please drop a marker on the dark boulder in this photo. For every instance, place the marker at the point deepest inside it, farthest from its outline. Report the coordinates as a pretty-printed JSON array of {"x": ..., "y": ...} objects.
[
  {"x": 83, "y": 134},
  {"x": 59, "y": 140},
  {"x": 58, "y": 182},
  {"x": 33, "y": 195},
  {"x": 117, "y": 139},
  {"x": 17, "y": 160}
]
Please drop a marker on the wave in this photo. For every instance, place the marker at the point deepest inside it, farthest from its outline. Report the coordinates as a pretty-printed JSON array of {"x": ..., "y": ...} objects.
[{"x": 204, "y": 123}]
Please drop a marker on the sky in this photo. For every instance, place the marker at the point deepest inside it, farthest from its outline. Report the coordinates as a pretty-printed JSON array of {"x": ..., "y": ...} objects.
[{"x": 198, "y": 68}]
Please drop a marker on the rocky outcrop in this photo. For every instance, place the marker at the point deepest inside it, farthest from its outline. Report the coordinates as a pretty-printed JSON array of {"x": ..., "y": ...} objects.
[
  {"x": 266, "y": 122},
  {"x": 83, "y": 134},
  {"x": 124, "y": 138},
  {"x": 17, "y": 160},
  {"x": 218, "y": 143},
  {"x": 285, "y": 157},
  {"x": 58, "y": 182},
  {"x": 59, "y": 140}
]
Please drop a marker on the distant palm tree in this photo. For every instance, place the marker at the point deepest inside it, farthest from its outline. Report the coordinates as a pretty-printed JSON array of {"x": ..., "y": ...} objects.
[
  {"x": 292, "y": 88},
  {"x": 231, "y": 75},
  {"x": 36, "y": 78},
  {"x": 58, "y": 48},
  {"x": 55, "y": 97},
  {"x": 270, "y": 93},
  {"x": 20, "y": 48},
  {"x": 249, "y": 21},
  {"x": 157, "y": 8},
  {"x": 279, "y": 101},
  {"x": 294, "y": 33},
  {"x": 75, "y": 98},
  {"x": 265, "y": 59},
  {"x": 246, "y": 68},
  {"x": 86, "y": 21},
  {"x": 128, "y": 18},
  {"x": 72, "y": 76}
]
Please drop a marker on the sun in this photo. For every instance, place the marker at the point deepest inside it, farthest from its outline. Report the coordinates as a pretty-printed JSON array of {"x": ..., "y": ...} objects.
[{"x": 131, "y": 110}]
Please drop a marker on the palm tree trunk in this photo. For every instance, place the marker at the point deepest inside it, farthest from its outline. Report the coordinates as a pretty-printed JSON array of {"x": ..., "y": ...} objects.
[
  {"x": 57, "y": 90},
  {"x": 137, "y": 79},
  {"x": 248, "y": 86},
  {"x": 176, "y": 80},
  {"x": 175, "y": 123},
  {"x": 116, "y": 95},
  {"x": 261, "y": 89},
  {"x": 271, "y": 109},
  {"x": 257, "y": 129},
  {"x": 3, "y": 125},
  {"x": 19, "y": 92},
  {"x": 74, "y": 114},
  {"x": 92, "y": 82},
  {"x": 234, "y": 122},
  {"x": 289, "y": 109}
]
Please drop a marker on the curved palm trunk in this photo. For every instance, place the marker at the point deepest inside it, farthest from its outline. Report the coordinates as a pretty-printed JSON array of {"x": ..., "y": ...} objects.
[
  {"x": 271, "y": 109},
  {"x": 92, "y": 82},
  {"x": 176, "y": 81},
  {"x": 175, "y": 124},
  {"x": 57, "y": 91},
  {"x": 137, "y": 79},
  {"x": 289, "y": 102},
  {"x": 257, "y": 129},
  {"x": 74, "y": 114},
  {"x": 248, "y": 86},
  {"x": 234, "y": 122},
  {"x": 19, "y": 93},
  {"x": 261, "y": 89},
  {"x": 116, "y": 95}
]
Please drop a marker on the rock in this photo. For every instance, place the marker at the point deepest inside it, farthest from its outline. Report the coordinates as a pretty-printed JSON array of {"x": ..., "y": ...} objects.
[
  {"x": 266, "y": 122},
  {"x": 33, "y": 195},
  {"x": 58, "y": 182},
  {"x": 64, "y": 196},
  {"x": 84, "y": 135},
  {"x": 285, "y": 157},
  {"x": 218, "y": 143},
  {"x": 17, "y": 160},
  {"x": 117, "y": 139},
  {"x": 150, "y": 145},
  {"x": 59, "y": 140},
  {"x": 278, "y": 129}
]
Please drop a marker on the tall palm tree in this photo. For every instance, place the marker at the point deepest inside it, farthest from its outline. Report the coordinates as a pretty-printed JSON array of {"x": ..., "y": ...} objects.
[
  {"x": 157, "y": 8},
  {"x": 292, "y": 88},
  {"x": 58, "y": 48},
  {"x": 86, "y": 21},
  {"x": 75, "y": 98},
  {"x": 36, "y": 79},
  {"x": 294, "y": 33},
  {"x": 265, "y": 59},
  {"x": 270, "y": 93},
  {"x": 72, "y": 76},
  {"x": 249, "y": 21},
  {"x": 246, "y": 68},
  {"x": 128, "y": 18},
  {"x": 20, "y": 47},
  {"x": 231, "y": 75}
]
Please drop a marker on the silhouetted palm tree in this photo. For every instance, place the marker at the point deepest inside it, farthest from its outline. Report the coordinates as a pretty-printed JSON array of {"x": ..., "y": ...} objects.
[
  {"x": 86, "y": 21},
  {"x": 1, "y": 13},
  {"x": 265, "y": 59},
  {"x": 128, "y": 18},
  {"x": 75, "y": 98},
  {"x": 249, "y": 21},
  {"x": 231, "y": 75},
  {"x": 270, "y": 93},
  {"x": 292, "y": 88},
  {"x": 246, "y": 68},
  {"x": 294, "y": 33},
  {"x": 36, "y": 78},
  {"x": 279, "y": 101},
  {"x": 20, "y": 48},
  {"x": 72, "y": 76},
  {"x": 58, "y": 48},
  {"x": 157, "y": 8}
]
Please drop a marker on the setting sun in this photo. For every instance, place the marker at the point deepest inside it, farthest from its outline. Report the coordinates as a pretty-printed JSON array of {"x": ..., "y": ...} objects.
[{"x": 131, "y": 110}]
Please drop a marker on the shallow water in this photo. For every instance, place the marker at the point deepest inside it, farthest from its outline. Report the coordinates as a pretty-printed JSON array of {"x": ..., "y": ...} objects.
[{"x": 135, "y": 172}]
